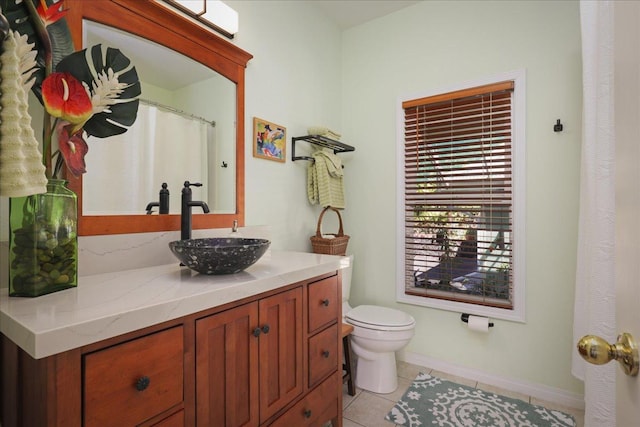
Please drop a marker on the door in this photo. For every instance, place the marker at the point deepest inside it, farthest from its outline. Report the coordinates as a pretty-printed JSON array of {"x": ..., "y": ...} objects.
[
  {"x": 227, "y": 368},
  {"x": 281, "y": 364},
  {"x": 627, "y": 137},
  {"x": 624, "y": 62}
]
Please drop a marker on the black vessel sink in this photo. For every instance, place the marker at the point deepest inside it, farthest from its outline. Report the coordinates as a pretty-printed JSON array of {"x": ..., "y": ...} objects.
[{"x": 219, "y": 255}]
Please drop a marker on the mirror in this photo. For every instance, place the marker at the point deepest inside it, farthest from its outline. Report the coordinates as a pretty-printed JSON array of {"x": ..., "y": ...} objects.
[
  {"x": 215, "y": 65},
  {"x": 184, "y": 131}
]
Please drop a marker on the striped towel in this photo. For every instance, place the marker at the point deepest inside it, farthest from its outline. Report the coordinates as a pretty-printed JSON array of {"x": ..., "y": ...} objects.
[{"x": 325, "y": 180}]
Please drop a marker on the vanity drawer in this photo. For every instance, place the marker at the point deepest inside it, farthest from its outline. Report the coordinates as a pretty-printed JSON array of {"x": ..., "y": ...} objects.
[
  {"x": 323, "y": 302},
  {"x": 317, "y": 407},
  {"x": 131, "y": 382},
  {"x": 323, "y": 354}
]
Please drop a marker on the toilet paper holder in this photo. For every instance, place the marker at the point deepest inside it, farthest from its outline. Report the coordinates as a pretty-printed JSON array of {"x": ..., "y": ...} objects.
[{"x": 465, "y": 318}]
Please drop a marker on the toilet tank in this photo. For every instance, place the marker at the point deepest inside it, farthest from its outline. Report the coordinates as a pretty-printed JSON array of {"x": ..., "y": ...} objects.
[{"x": 346, "y": 280}]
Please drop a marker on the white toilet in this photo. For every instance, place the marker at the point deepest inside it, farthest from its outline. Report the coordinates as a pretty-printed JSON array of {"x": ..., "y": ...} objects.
[{"x": 378, "y": 332}]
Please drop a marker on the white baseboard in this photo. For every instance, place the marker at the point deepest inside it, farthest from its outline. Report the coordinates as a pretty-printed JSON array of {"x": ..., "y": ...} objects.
[{"x": 539, "y": 391}]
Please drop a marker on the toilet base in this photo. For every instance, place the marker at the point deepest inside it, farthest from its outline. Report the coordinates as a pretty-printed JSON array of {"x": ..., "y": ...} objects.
[{"x": 379, "y": 375}]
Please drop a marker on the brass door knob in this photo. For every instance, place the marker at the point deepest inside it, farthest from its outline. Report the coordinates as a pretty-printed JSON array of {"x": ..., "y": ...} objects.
[{"x": 598, "y": 351}]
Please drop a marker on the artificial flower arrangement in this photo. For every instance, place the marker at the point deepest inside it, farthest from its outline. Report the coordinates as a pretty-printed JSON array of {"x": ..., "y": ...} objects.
[{"x": 92, "y": 92}]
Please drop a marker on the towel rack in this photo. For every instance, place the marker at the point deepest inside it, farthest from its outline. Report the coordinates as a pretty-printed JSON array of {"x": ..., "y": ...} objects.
[{"x": 322, "y": 141}]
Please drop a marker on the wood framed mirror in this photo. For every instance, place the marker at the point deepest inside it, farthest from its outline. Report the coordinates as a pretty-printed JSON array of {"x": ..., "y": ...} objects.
[{"x": 160, "y": 24}]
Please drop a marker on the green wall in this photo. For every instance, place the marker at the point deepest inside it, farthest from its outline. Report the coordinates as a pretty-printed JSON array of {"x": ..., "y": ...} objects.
[{"x": 434, "y": 45}]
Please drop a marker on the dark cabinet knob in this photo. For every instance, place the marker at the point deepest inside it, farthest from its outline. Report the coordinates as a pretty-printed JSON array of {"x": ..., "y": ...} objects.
[
  {"x": 256, "y": 332},
  {"x": 265, "y": 329},
  {"x": 142, "y": 383},
  {"x": 325, "y": 302},
  {"x": 325, "y": 354},
  {"x": 307, "y": 413}
]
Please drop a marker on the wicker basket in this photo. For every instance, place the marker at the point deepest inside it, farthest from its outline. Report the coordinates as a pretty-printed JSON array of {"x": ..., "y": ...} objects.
[{"x": 333, "y": 246}]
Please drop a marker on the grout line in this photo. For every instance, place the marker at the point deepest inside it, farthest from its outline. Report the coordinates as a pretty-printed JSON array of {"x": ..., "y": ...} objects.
[
  {"x": 355, "y": 422},
  {"x": 383, "y": 396}
]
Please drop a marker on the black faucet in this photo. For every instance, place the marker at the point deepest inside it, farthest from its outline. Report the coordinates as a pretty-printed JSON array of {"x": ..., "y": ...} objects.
[
  {"x": 150, "y": 207},
  {"x": 163, "y": 204},
  {"x": 164, "y": 199},
  {"x": 185, "y": 213}
]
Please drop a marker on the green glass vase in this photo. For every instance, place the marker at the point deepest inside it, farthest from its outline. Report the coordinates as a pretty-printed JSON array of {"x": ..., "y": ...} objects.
[{"x": 43, "y": 241}]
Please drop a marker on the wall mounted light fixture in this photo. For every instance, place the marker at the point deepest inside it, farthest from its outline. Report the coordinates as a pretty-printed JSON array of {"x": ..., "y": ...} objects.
[{"x": 213, "y": 14}]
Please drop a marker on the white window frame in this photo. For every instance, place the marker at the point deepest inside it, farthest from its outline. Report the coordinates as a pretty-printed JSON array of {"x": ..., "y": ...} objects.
[{"x": 517, "y": 313}]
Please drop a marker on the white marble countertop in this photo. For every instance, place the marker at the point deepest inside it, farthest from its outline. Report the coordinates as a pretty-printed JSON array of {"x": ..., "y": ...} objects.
[{"x": 110, "y": 304}]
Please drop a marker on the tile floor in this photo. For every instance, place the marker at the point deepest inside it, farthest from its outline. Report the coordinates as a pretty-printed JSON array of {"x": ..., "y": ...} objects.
[{"x": 367, "y": 409}]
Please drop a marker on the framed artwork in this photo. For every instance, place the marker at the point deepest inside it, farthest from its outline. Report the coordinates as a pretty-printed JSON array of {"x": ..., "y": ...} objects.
[{"x": 269, "y": 140}]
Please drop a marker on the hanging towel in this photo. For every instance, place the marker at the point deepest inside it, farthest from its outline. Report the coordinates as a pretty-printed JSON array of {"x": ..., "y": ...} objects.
[
  {"x": 325, "y": 183},
  {"x": 21, "y": 170}
]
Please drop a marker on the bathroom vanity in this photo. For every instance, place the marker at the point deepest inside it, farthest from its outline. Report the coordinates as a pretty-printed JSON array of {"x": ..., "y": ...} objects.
[{"x": 164, "y": 346}]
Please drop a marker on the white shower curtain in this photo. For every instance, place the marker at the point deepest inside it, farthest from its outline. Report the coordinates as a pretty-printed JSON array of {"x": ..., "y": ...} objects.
[
  {"x": 126, "y": 171},
  {"x": 594, "y": 309}
]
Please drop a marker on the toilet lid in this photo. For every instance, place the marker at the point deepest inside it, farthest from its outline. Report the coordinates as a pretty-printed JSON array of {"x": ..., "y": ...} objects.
[{"x": 382, "y": 318}]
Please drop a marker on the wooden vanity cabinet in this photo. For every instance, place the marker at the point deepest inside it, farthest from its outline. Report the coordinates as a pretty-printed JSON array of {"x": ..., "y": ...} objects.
[
  {"x": 272, "y": 359},
  {"x": 256, "y": 359},
  {"x": 249, "y": 361}
]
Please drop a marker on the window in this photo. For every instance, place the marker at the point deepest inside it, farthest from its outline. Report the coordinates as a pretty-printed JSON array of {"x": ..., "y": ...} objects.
[{"x": 458, "y": 218}]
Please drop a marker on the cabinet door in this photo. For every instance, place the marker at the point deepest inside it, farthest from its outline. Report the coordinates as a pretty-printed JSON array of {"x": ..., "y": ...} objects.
[
  {"x": 227, "y": 368},
  {"x": 281, "y": 363}
]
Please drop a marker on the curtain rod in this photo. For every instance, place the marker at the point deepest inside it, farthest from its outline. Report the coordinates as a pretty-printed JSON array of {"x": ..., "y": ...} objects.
[{"x": 176, "y": 111}]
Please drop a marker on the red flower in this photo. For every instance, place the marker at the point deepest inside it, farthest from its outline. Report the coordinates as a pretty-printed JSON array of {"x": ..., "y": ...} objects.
[
  {"x": 50, "y": 14},
  {"x": 65, "y": 97},
  {"x": 72, "y": 147}
]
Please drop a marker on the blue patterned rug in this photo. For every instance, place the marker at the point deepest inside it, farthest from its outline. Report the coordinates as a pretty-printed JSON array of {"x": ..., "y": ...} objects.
[{"x": 431, "y": 401}]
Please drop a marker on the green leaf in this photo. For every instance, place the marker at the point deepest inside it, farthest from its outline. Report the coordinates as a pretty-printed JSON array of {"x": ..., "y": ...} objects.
[
  {"x": 59, "y": 34},
  {"x": 86, "y": 65}
]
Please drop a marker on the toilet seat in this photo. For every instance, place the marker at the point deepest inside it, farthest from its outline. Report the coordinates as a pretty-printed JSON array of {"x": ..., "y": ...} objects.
[{"x": 380, "y": 318}]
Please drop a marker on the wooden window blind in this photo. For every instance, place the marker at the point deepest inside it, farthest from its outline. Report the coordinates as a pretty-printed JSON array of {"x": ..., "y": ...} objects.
[{"x": 458, "y": 195}]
